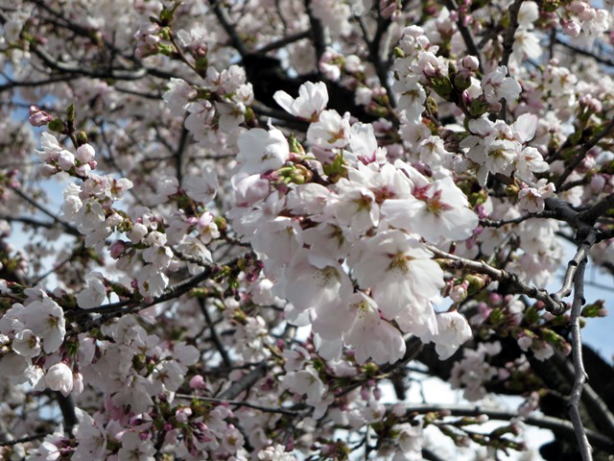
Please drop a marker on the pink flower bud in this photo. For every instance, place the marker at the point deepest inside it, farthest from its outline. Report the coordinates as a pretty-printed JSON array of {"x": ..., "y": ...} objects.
[
  {"x": 495, "y": 299},
  {"x": 459, "y": 292},
  {"x": 571, "y": 28},
  {"x": 470, "y": 63},
  {"x": 577, "y": 7},
  {"x": 197, "y": 382},
  {"x": 117, "y": 248},
  {"x": 38, "y": 117}
]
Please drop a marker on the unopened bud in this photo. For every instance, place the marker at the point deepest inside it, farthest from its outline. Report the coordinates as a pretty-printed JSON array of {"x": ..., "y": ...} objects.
[
  {"x": 459, "y": 291},
  {"x": 470, "y": 63},
  {"x": 38, "y": 117}
]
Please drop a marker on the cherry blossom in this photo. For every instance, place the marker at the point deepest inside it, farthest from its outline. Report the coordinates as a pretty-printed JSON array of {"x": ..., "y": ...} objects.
[{"x": 312, "y": 99}]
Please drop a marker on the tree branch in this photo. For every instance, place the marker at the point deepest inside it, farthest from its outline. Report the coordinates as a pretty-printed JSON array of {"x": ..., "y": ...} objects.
[
  {"x": 68, "y": 227},
  {"x": 214, "y": 336},
  {"x": 244, "y": 383},
  {"x": 573, "y": 266},
  {"x": 602, "y": 441},
  {"x": 508, "y": 36},
  {"x": 317, "y": 34},
  {"x": 240, "y": 403},
  {"x": 575, "y": 162},
  {"x": 465, "y": 32},
  {"x": 230, "y": 29},
  {"x": 552, "y": 305},
  {"x": 579, "y": 372},
  {"x": 30, "y": 438},
  {"x": 587, "y": 53},
  {"x": 503, "y": 222},
  {"x": 284, "y": 41},
  {"x": 67, "y": 407}
]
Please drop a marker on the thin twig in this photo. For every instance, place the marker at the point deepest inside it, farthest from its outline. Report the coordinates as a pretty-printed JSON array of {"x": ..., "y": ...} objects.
[
  {"x": 579, "y": 156},
  {"x": 214, "y": 336},
  {"x": 465, "y": 32},
  {"x": 546, "y": 422},
  {"x": 240, "y": 403},
  {"x": 317, "y": 34},
  {"x": 508, "y": 36},
  {"x": 573, "y": 265},
  {"x": 230, "y": 29},
  {"x": 503, "y": 222},
  {"x": 284, "y": 41},
  {"x": 244, "y": 383},
  {"x": 30, "y": 438},
  {"x": 68, "y": 227},
  {"x": 552, "y": 305},
  {"x": 580, "y": 373},
  {"x": 584, "y": 52}
]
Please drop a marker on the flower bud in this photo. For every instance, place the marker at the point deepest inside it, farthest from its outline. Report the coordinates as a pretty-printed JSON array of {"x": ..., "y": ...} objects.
[
  {"x": 183, "y": 414},
  {"x": 137, "y": 233},
  {"x": 197, "y": 382},
  {"x": 117, "y": 248},
  {"x": 66, "y": 160},
  {"x": 38, "y": 117},
  {"x": 470, "y": 63},
  {"x": 59, "y": 378},
  {"x": 85, "y": 153},
  {"x": 459, "y": 291}
]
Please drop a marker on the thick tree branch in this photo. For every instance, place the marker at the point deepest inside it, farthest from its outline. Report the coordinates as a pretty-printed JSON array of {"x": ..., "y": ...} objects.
[
  {"x": 36, "y": 223},
  {"x": 67, "y": 407},
  {"x": 30, "y": 84},
  {"x": 374, "y": 47}
]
